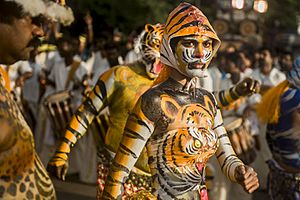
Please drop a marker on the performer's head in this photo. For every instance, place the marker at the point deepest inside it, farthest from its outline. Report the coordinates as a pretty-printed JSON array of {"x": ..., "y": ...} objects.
[
  {"x": 149, "y": 43},
  {"x": 21, "y": 24},
  {"x": 20, "y": 27},
  {"x": 189, "y": 41}
]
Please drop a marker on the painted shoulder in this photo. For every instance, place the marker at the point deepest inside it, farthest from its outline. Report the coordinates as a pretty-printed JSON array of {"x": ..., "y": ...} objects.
[{"x": 151, "y": 104}]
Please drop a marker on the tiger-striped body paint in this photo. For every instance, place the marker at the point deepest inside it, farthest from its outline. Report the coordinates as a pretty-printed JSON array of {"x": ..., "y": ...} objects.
[
  {"x": 181, "y": 131},
  {"x": 181, "y": 127},
  {"x": 118, "y": 89}
]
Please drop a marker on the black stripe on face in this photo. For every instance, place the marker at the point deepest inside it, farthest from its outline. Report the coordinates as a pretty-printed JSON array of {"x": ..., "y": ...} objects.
[{"x": 178, "y": 12}]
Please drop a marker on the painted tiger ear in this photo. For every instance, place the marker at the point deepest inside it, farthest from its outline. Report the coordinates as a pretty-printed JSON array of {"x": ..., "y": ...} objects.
[
  {"x": 169, "y": 106},
  {"x": 149, "y": 27}
]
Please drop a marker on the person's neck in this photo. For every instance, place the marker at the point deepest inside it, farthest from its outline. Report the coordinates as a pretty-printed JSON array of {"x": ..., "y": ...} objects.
[{"x": 177, "y": 76}]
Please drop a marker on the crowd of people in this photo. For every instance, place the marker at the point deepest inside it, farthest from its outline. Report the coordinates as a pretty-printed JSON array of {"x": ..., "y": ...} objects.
[{"x": 102, "y": 108}]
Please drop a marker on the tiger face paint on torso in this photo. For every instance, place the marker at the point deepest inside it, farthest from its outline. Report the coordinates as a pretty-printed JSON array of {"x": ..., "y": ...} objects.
[{"x": 183, "y": 140}]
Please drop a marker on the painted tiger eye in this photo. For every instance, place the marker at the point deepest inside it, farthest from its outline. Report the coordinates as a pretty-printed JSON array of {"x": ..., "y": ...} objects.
[{"x": 197, "y": 143}]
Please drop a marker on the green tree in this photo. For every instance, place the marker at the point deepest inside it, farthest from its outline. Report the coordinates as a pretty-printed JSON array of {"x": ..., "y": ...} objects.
[{"x": 128, "y": 15}]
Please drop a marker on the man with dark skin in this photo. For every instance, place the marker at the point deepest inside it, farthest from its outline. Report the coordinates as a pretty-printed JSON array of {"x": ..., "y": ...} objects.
[{"x": 22, "y": 175}]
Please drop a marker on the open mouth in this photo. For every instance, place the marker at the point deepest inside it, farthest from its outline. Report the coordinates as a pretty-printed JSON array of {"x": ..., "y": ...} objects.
[
  {"x": 199, "y": 167},
  {"x": 196, "y": 65},
  {"x": 156, "y": 66}
]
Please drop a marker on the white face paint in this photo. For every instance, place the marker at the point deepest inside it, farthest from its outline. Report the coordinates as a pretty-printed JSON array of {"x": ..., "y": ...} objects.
[{"x": 192, "y": 54}]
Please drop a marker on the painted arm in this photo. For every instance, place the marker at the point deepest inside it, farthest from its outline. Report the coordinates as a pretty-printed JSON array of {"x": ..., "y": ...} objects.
[
  {"x": 83, "y": 117},
  {"x": 230, "y": 164},
  {"x": 246, "y": 87},
  {"x": 137, "y": 131}
]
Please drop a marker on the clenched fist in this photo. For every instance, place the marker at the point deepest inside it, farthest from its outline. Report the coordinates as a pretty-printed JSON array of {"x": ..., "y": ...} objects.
[
  {"x": 247, "y": 86},
  {"x": 58, "y": 166},
  {"x": 247, "y": 178}
]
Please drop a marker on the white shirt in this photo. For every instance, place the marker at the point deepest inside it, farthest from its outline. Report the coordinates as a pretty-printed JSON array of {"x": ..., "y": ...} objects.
[
  {"x": 60, "y": 72},
  {"x": 17, "y": 69},
  {"x": 31, "y": 90},
  {"x": 100, "y": 66},
  {"x": 272, "y": 79}
]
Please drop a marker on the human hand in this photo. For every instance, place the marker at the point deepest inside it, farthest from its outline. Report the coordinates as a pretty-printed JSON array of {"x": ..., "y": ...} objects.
[
  {"x": 58, "y": 166},
  {"x": 19, "y": 81},
  {"x": 247, "y": 86},
  {"x": 246, "y": 177}
]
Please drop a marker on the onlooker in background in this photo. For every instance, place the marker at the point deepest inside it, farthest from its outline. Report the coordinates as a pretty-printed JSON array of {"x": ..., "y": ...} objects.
[
  {"x": 31, "y": 91},
  {"x": 285, "y": 61},
  {"x": 267, "y": 75}
]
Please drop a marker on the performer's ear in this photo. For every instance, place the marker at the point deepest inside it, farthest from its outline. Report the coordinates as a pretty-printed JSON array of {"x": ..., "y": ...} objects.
[
  {"x": 169, "y": 106},
  {"x": 149, "y": 27}
]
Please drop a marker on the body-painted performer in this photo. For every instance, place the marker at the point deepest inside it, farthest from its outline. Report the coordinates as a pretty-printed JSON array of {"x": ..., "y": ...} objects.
[
  {"x": 179, "y": 123},
  {"x": 22, "y": 175},
  {"x": 119, "y": 89},
  {"x": 282, "y": 104}
]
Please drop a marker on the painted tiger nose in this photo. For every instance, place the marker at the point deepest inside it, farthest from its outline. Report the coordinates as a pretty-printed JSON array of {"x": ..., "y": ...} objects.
[
  {"x": 199, "y": 55},
  {"x": 199, "y": 51}
]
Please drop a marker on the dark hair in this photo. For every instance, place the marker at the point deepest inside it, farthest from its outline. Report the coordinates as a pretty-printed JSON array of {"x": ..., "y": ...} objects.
[
  {"x": 9, "y": 11},
  {"x": 232, "y": 57}
]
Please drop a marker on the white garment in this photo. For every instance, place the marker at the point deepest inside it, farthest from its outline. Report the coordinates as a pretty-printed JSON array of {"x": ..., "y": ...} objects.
[
  {"x": 100, "y": 66},
  {"x": 60, "y": 71},
  {"x": 132, "y": 56},
  {"x": 31, "y": 90},
  {"x": 219, "y": 81},
  {"x": 207, "y": 81},
  {"x": 17, "y": 69},
  {"x": 274, "y": 78},
  {"x": 46, "y": 60}
]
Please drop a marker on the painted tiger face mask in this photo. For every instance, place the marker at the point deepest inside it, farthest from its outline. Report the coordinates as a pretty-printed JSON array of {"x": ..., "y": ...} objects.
[
  {"x": 150, "y": 42},
  {"x": 189, "y": 41}
]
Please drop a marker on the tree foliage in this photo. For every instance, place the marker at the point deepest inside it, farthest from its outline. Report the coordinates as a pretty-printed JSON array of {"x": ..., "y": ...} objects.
[
  {"x": 128, "y": 15},
  {"x": 282, "y": 15}
]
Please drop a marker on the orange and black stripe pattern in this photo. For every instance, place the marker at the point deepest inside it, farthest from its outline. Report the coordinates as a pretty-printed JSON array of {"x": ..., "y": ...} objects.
[
  {"x": 181, "y": 131},
  {"x": 185, "y": 20}
]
